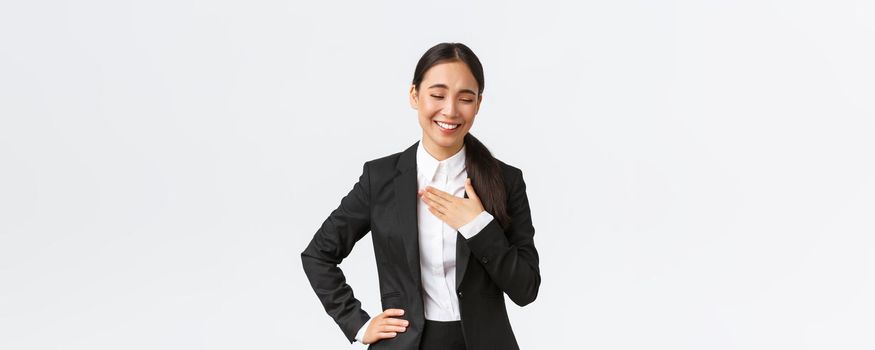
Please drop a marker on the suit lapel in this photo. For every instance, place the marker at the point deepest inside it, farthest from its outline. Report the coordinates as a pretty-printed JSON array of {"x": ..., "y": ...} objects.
[
  {"x": 406, "y": 187},
  {"x": 462, "y": 253}
]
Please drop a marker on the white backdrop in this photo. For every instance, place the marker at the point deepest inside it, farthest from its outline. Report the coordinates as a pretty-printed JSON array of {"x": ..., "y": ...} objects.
[{"x": 701, "y": 173}]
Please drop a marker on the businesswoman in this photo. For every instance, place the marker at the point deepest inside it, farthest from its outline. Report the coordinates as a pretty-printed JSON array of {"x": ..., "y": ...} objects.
[{"x": 451, "y": 227}]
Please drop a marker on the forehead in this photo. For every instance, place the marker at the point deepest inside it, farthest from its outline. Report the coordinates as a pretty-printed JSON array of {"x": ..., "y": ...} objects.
[{"x": 454, "y": 74}]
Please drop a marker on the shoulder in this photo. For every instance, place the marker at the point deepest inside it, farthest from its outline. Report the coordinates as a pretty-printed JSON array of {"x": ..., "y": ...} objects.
[
  {"x": 507, "y": 168},
  {"x": 384, "y": 168},
  {"x": 384, "y": 164},
  {"x": 390, "y": 159},
  {"x": 513, "y": 176}
]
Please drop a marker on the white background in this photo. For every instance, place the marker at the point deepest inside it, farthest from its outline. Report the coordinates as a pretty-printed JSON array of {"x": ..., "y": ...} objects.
[{"x": 701, "y": 173}]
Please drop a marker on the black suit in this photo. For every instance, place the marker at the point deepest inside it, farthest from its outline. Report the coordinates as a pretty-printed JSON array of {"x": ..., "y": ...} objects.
[{"x": 492, "y": 263}]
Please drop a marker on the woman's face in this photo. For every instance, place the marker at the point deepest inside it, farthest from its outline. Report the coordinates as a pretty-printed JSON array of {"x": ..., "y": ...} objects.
[{"x": 448, "y": 94}]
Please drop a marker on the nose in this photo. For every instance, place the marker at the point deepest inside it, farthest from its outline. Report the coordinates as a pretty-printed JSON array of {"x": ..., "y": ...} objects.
[{"x": 450, "y": 110}]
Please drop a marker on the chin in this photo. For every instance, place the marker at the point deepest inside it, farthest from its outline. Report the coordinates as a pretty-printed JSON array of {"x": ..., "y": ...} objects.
[{"x": 446, "y": 141}]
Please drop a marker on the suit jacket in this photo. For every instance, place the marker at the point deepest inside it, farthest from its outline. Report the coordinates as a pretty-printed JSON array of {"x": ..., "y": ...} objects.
[{"x": 494, "y": 262}]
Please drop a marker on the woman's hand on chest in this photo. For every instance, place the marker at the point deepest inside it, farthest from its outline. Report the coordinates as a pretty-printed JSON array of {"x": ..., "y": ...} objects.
[{"x": 454, "y": 211}]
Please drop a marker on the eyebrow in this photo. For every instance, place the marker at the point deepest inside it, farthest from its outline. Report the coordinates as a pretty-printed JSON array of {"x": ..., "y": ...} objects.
[{"x": 444, "y": 86}]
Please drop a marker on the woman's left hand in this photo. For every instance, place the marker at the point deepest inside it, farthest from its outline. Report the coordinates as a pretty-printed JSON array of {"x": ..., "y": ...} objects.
[{"x": 453, "y": 210}]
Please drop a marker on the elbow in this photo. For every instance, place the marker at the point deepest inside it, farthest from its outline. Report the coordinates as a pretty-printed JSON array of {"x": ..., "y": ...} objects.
[
  {"x": 304, "y": 258},
  {"x": 312, "y": 255},
  {"x": 306, "y": 262},
  {"x": 310, "y": 261},
  {"x": 528, "y": 294},
  {"x": 306, "y": 255}
]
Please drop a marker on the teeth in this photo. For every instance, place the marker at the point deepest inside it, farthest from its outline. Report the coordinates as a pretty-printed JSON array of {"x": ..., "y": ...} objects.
[{"x": 448, "y": 126}]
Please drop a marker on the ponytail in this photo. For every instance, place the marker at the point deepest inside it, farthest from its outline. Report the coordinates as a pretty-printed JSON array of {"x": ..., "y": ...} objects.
[{"x": 486, "y": 177}]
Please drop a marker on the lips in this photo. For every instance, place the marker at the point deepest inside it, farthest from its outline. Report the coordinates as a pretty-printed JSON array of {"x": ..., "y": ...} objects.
[{"x": 447, "y": 126}]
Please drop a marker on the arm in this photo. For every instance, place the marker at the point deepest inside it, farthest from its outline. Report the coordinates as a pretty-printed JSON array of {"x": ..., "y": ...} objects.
[
  {"x": 509, "y": 256},
  {"x": 360, "y": 336},
  {"x": 330, "y": 245},
  {"x": 475, "y": 226}
]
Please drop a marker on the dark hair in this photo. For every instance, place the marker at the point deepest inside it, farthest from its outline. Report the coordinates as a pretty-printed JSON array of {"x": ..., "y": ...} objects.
[{"x": 482, "y": 167}]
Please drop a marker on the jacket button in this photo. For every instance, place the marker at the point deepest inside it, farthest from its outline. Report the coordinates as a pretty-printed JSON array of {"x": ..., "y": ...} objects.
[
  {"x": 460, "y": 294},
  {"x": 484, "y": 260}
]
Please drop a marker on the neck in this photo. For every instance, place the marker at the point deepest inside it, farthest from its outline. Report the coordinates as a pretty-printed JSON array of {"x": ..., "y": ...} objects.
[{"x": 439, "y": 152}]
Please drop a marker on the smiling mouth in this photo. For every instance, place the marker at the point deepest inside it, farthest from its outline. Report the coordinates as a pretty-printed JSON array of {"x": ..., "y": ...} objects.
[{"x": 446, "y": 126}]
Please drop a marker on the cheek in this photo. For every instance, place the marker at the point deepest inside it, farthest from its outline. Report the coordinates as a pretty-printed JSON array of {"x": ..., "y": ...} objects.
[
  {"x": 427, "y": 111},
  {"x": 429, "y": 106},
  {"x": 469, "y": 112},
  {"x": 425, "y": 116}
]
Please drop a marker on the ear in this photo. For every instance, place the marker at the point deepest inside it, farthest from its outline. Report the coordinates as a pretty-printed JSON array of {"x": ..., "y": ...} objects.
[
  {"x": 414, "y": 97},
  {"x": 477, "y": 107}
]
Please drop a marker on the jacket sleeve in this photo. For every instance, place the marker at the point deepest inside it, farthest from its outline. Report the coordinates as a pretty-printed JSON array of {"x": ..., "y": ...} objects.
[
  {"x": 509, "y": 255},
  {"x": 332, "y": 243}
]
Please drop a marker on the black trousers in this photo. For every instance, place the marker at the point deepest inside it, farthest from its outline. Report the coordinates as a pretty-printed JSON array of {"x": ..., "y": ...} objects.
[{"x": 442, "y": 335}]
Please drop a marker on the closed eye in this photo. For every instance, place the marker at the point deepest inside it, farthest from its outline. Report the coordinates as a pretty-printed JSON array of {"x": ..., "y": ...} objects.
[{"x": 466, "y": 100}]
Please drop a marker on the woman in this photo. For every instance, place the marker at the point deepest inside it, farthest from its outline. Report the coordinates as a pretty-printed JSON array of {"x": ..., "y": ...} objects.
[{"x": 446, "y": 254}]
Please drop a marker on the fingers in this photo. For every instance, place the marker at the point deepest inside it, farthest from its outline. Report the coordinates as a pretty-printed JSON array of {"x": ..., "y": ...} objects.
[
  {"x": 432, "y": 203},
  {"x": 435, "y": 199},
  {"x": 469, "y": 188},
  {"x": 396, "y": 322},
  {"x": 390, "y": 324},
  {"x": 379, "y": 336},
  {"x": 438, "y": 194},
  {"x": 391, "y": 329},
  {"x": 384, "y": 335},
  {"x": 386, "y": 325},
  {"x": 393, "y": 312},
  {"x": 436, "y": 212}
]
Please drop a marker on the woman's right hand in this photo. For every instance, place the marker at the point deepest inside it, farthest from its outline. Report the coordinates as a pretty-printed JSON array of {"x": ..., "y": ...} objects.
[{"x": 385, "y": 325}]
